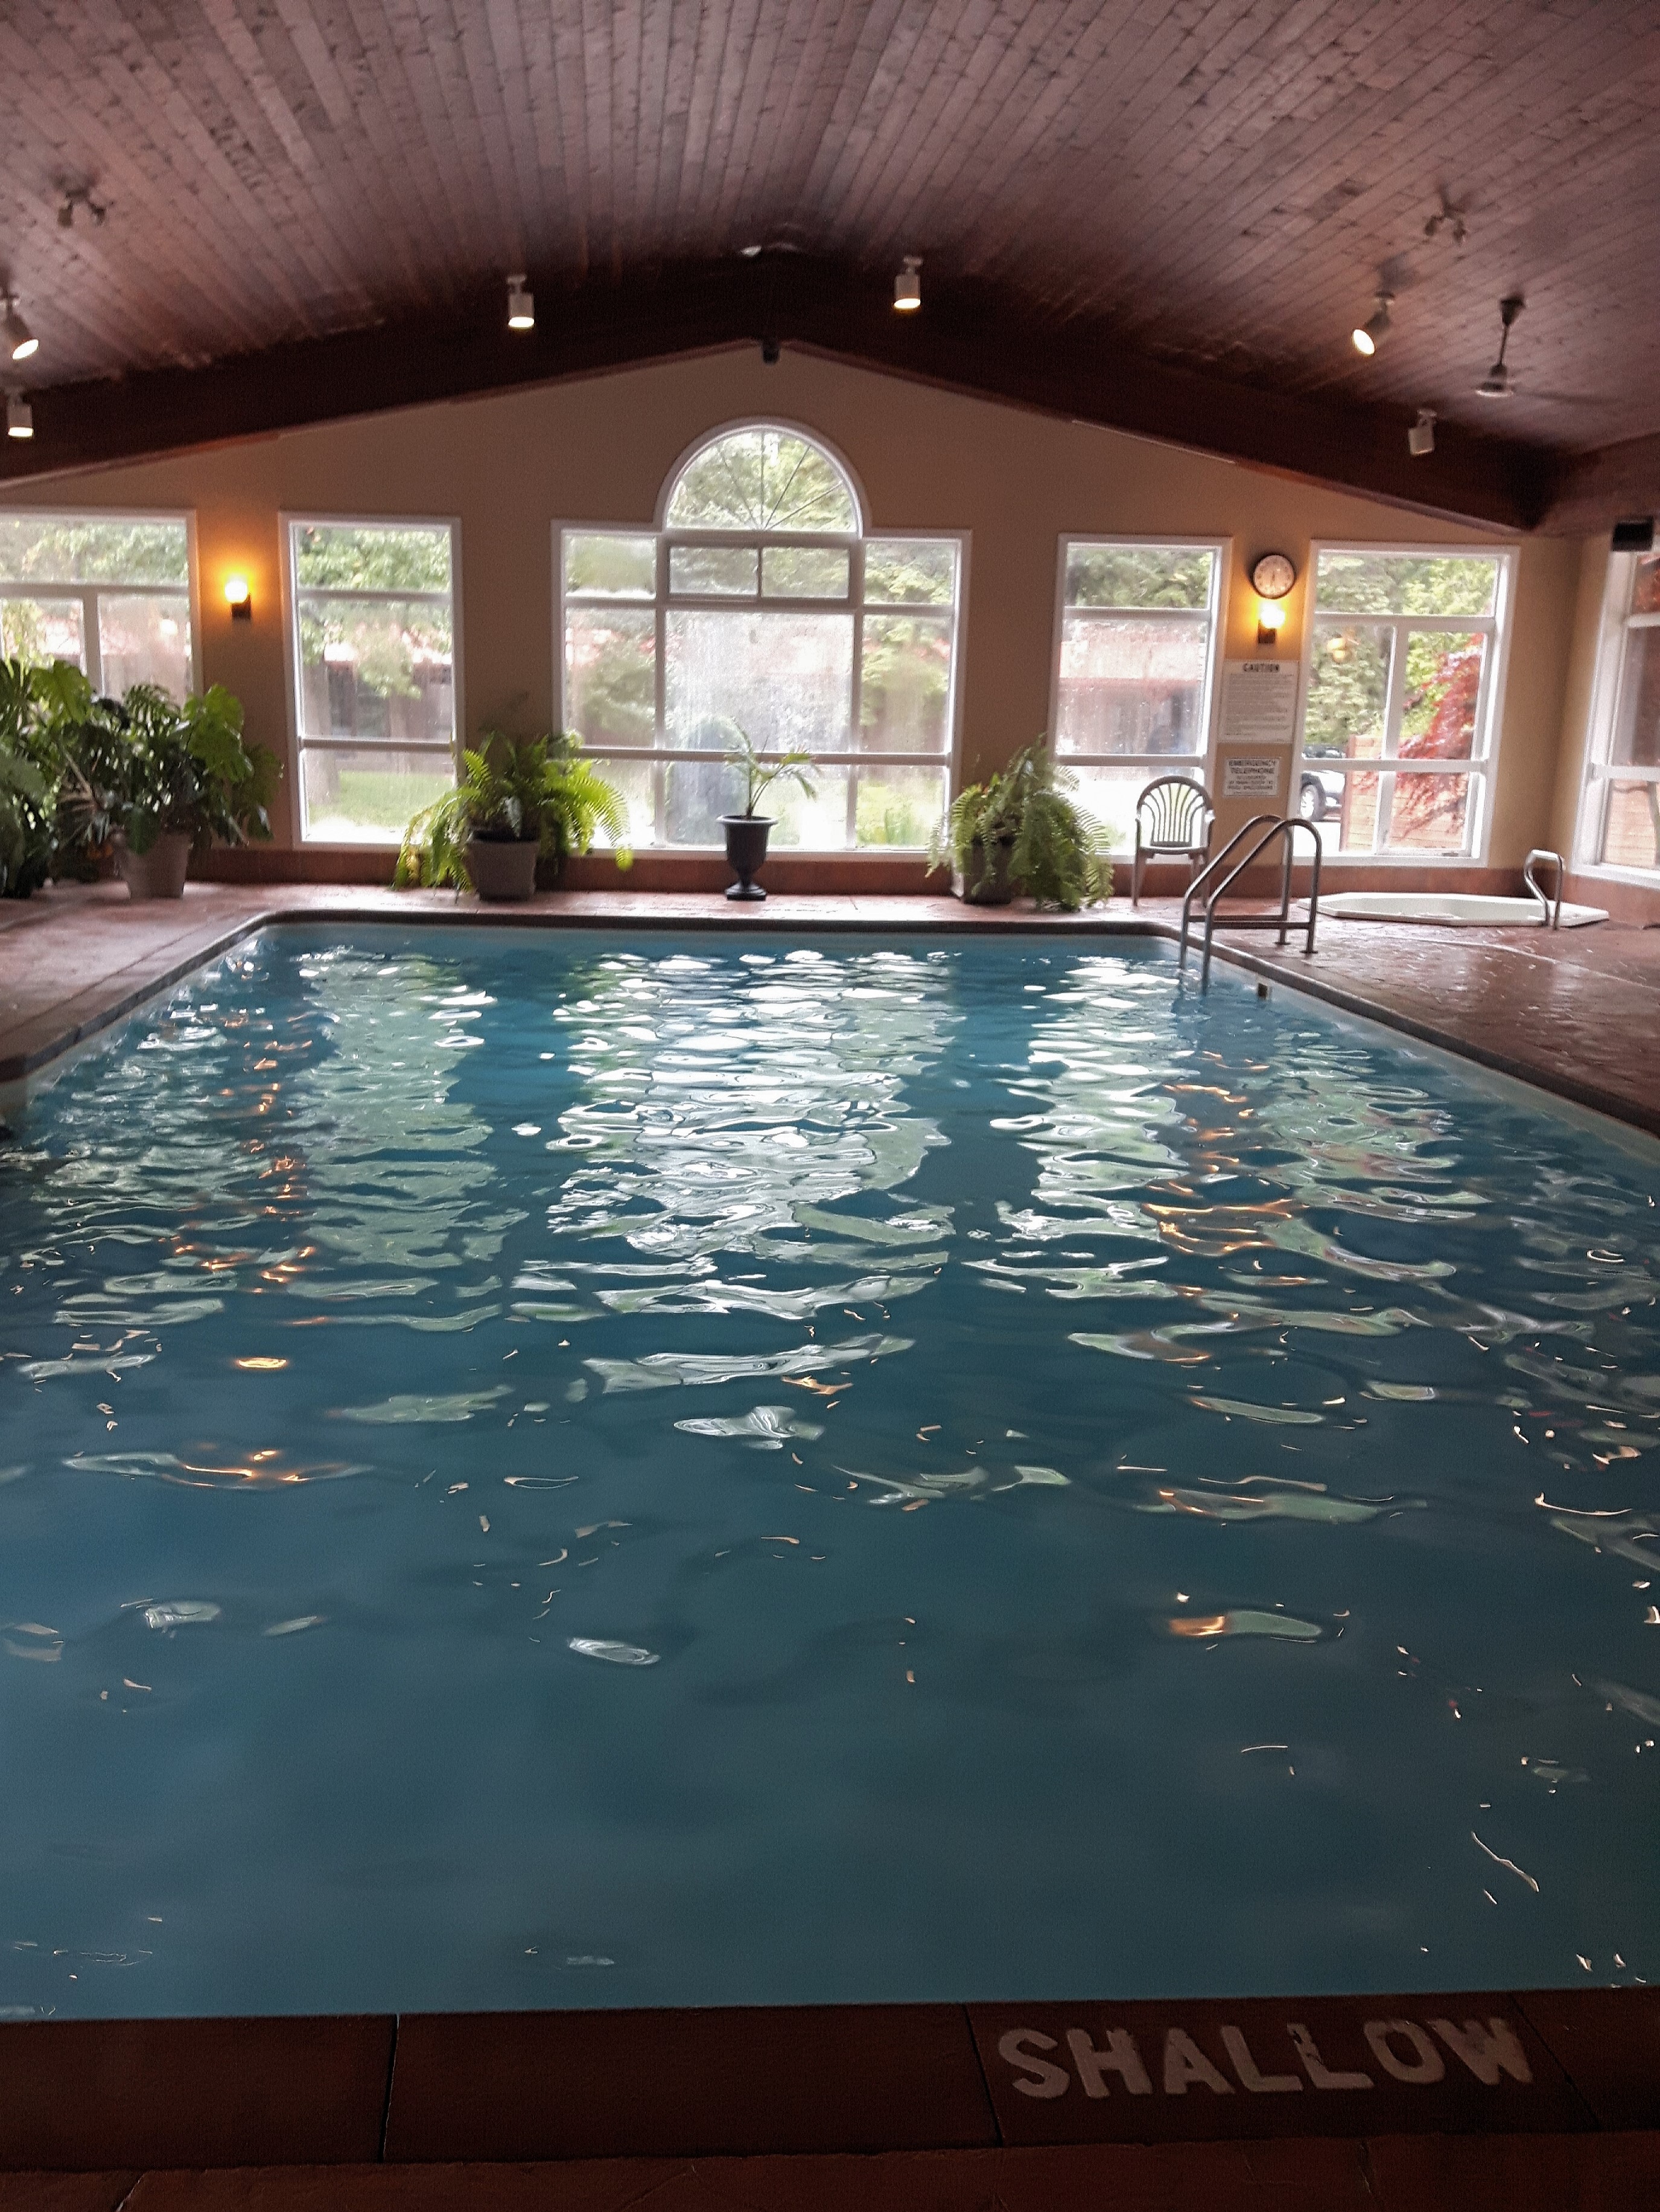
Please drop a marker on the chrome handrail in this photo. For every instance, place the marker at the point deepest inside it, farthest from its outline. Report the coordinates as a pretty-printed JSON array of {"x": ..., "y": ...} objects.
[
  {"x": 1210, "y": 869},
  {"x": 1552, "y": 911},
  {"x": 1286, "y": 828}
]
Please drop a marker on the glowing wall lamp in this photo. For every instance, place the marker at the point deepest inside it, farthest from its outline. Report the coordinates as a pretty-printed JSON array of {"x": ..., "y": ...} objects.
[
  {"x": 239, "y": 598},
  {"x": 1270, "y": 613}
]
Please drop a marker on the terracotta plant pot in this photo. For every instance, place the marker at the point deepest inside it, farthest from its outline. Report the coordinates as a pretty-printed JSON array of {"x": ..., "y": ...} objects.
[
  {"x": 502, "y": 867},
  {"x": 972, "y": 885},
  {"x": 159, "y": 873},
  {"x": 746, "y": 848}
]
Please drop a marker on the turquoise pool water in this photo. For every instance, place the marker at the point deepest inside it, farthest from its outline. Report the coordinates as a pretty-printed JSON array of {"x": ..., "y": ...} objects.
[{"x": 565, "y": 1469}]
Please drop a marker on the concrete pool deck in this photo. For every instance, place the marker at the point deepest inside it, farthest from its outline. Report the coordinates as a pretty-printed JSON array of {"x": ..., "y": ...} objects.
[{"x": 1576, "y": 1011}]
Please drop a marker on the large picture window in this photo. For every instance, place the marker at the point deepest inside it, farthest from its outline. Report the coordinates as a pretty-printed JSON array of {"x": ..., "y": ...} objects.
[
  {"x": 1134, "y": 663},
  {"x": 1401, "y": 699},
  {"x": 1620, "y": 814},
  {"x": 110, "y": 593},
  {"x": 761, "y": 605},
  {"x": 373, "y": 639}
]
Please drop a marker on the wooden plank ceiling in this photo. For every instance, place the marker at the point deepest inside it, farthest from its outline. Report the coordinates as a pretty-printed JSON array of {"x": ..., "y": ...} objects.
[{"x": 1208, "y": 192}]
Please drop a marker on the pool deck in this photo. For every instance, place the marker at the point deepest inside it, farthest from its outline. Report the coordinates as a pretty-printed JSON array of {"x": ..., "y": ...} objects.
[
  {"x": 1576, "y": 1011},
  {"x": 535, "y": 2114}
]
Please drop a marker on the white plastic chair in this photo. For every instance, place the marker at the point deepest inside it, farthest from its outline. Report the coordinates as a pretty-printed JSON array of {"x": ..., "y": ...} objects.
[{"x": 1174, "y": 818}]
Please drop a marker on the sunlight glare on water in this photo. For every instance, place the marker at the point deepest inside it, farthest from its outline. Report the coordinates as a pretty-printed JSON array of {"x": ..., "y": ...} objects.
[{"x": 570, "y": 1468}]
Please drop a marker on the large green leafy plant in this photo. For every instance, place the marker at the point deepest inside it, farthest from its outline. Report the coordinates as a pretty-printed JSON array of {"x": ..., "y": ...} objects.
[
  {"x": 537, "y": 791},
  {"x": 31, "y": 764},
  {"x": 146, "y": 766},
  {"x": 1028, "y": 814}
]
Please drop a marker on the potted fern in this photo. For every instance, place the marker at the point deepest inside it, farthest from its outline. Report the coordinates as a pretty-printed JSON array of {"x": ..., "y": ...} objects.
[
  {"x": 520, "y": 801},
  {"x": 747, "y": 833},
  {"x": 1022, "y": 828}
]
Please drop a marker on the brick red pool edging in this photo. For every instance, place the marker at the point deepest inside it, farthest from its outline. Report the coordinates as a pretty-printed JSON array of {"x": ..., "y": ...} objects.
[{"x": 91, "y": 2095}]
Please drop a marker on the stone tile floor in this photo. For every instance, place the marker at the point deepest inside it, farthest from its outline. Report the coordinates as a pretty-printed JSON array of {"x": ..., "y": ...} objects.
[{"x": 1391, "y": 2173}]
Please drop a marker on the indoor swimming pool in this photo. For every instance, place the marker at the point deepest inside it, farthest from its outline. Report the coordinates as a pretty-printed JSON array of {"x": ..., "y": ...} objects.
[{"x": 550, "y": 1468}]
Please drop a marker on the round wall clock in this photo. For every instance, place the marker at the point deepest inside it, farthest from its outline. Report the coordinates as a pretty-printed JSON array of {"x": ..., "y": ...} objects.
[{"x": 1273, "y": 575}]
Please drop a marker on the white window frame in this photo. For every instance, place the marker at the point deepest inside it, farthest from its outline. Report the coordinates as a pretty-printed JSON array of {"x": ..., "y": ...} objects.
[
  {"x": 1599, "y": 773},
  {"x": 1199, "y": 764},
  {"x": 298, "y": 744},
  {"x": 89, "y": 594},
  {"x": 664, "y": 597},
  {"x": 1482, "y": 766}
]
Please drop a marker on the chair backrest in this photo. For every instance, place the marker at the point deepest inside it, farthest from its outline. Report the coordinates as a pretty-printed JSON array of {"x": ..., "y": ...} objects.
[{"x": 1174, "y": 813}]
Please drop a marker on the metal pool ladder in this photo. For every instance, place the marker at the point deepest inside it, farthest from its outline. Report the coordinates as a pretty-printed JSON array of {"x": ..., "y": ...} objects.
[
  {"x": 1264, "y": 828},
  {"x": 1553, "y": 914}
]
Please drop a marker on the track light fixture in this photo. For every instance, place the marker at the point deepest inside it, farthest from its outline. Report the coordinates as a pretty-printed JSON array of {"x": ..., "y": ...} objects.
[
  {"x": 1496, "y": 384},
  {"x": 1364, "y": 336},
  {"x": 21, "y": 341},
  {"x": 907, "y": 285},
  {"x": 19, "y": 417},
  {"x": 1421, "y": 439},
  {"x": 521, "y": 305}
]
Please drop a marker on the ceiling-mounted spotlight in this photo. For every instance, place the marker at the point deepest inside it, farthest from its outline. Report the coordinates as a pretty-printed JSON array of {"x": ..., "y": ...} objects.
[
  {"x": 907, "y": 285},
  {"x": 19, "y": 417},
  {"x": 1364, "y": 336},
  {"x": 20, "y": 339},
  {"x": 1496, "y": 384},
  {"x": 1421, "y": 439},
  {"x": 521, "y": 305},
  {"x": 79, "y": 195}
]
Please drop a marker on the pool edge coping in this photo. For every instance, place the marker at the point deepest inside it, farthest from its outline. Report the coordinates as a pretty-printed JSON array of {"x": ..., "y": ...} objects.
[{"x": 533, "y": 2086}]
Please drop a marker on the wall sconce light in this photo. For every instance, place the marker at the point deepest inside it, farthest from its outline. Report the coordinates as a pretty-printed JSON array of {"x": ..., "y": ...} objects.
[
  {"x": 19, "y": 417},
  {"x": 1270, "y": 613},
  {"x": 239, "y": 598}
]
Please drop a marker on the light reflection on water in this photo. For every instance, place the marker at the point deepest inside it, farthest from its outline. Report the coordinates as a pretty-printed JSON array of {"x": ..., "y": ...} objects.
[{"x": 797, "y": 1476}]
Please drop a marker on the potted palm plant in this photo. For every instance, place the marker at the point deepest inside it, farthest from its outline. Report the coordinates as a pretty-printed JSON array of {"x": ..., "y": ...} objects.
[
  {"x": 747, "y": 833},
  {"x": 520, "y": 801},
  {"x": 148, "y": 781},
  {"x": 1022, "y": 828}
]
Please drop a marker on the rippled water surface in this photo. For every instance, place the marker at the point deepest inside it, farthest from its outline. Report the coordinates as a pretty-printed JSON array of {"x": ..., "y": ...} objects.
[{"x": 558, "y": 1470}]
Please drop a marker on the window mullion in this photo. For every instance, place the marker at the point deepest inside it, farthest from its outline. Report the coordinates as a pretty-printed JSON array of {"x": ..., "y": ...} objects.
[
  {"x": 856, "y": 692},
  {"x": 659, "y": 774}
]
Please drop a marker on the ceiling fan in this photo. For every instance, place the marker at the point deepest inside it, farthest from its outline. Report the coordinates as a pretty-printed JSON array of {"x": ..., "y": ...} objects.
[{"x": 1500, "y": 382}]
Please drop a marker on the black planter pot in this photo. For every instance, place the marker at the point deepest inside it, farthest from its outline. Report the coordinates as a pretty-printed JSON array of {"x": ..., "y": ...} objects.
[
  {"x": 502, "y": 867},
  {"x": 746, "y": 848}
]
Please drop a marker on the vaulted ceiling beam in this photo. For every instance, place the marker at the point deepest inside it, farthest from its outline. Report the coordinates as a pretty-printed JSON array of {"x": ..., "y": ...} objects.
[{"x": 964, "y": 340}]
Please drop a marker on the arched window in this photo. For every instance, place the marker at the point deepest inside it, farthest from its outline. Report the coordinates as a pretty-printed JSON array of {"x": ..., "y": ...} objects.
[
  {"x": 762, "y": 480},
  {"x": 761, "y": 605}
]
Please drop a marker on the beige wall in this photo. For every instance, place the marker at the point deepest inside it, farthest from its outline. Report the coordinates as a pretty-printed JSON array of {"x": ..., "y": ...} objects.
[{"x": 599, "y": 451}]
